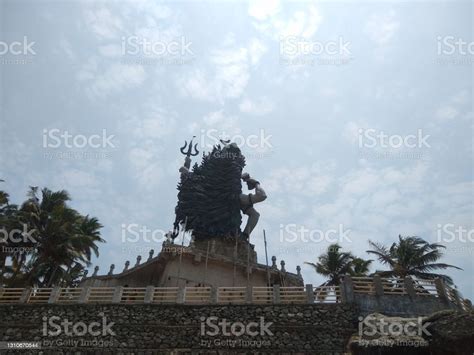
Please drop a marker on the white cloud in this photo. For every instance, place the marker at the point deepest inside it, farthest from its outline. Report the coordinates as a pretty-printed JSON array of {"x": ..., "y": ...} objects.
[
  {"x": 66, "y": 47},
  {"x": 115, "y": 79},
  {"x": 446, "y": 113},
  {"x": 262, "y": 9},
  {"x": 302, "y": 23},
  {"x": 145, "y": 167},
  {"x": 76, "y": 178},
  {"x": 228, "y": 73},
  {"x": 110, "y": 50},
  {"x": 453, "y": 106},
  {"x": 155, "y": 124},
  {"x": 102, "y": 22},
  {"x": 258, "y": 107},
  {"x": 256, "y": 50},
  {"x": 381, "y": 28},
  {"x": 351, "y": 129},
  {"x": 214, "y": 118},
  {"x": 359, "y": 182},
  {"x": 305, "y": 181},
  {"x": 229, "y": 79}
]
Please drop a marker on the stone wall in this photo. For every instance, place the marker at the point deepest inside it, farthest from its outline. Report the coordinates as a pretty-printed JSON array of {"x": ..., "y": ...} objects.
[
  {"x": 148, "y": 328},
  {"x": 400, "y": 305}
]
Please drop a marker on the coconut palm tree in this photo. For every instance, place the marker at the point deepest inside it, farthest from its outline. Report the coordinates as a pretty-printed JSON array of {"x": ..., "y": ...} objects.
[
  {"x": 334, "y": 264},
  {"x": 360, "y": 267},
  {"x": 411, "y": 256},
  {"x": 64, "y": 237},
  {"x": 8, "y": 223}
]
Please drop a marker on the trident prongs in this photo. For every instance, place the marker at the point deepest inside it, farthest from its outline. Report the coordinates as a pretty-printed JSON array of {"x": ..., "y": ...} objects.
[{"x": 190, "y": 153}]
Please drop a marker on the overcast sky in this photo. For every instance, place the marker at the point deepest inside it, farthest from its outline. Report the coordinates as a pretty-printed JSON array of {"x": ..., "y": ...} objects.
[{"x": 355, "y": 118}]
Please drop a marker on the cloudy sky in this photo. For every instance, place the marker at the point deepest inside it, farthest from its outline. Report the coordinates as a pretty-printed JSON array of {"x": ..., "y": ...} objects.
[{"x": 356, "y": 117}]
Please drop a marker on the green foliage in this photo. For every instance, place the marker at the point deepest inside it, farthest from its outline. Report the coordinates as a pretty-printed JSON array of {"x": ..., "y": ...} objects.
[
  {"x": 334, "y": 264},
  {"x": 411, "y": 256},
  {"x": 61, "y": 245}
]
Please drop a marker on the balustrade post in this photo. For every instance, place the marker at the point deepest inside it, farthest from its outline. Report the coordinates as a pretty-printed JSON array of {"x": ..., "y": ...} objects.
[
  {"x": 118, "y": 292},
  {"x": 309, "y": 293},
  {"x": 214, "y": 295},
  {"x": 378, "y": 285},
  {"x": 84, "y": 295},
  {"x": 149, "y": 292},
  {"x": 276, "y": 293},
  {"x": 181, "y": 297},
  {"x": 25, "y": 295},
  {"x": 348, "y": 286},
  {"x": 54, "y": 295},
  {"x": 248, "y": 295}
]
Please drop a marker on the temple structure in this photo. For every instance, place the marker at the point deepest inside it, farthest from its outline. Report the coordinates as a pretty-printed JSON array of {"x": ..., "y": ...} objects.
[
  {"x": 210, "y": 203},
  {"x": 205, "y": 263}
]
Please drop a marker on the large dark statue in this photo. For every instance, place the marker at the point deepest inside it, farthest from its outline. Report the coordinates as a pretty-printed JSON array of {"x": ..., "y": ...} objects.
[{"x": 210, "y": 196}]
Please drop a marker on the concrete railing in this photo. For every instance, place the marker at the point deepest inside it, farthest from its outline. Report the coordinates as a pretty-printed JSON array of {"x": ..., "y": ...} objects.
[
  {"x": 346, "y": 293},
  {"x": 186, "y": 295},
  {"x": 377, "y": 286}
]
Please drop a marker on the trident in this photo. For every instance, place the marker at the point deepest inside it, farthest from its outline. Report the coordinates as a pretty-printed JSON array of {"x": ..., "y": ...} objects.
[{"x": 189, "y": 153}]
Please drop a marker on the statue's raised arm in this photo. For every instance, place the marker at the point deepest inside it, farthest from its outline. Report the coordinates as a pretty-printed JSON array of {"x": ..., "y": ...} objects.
[{"x": 247, "y": 202}]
